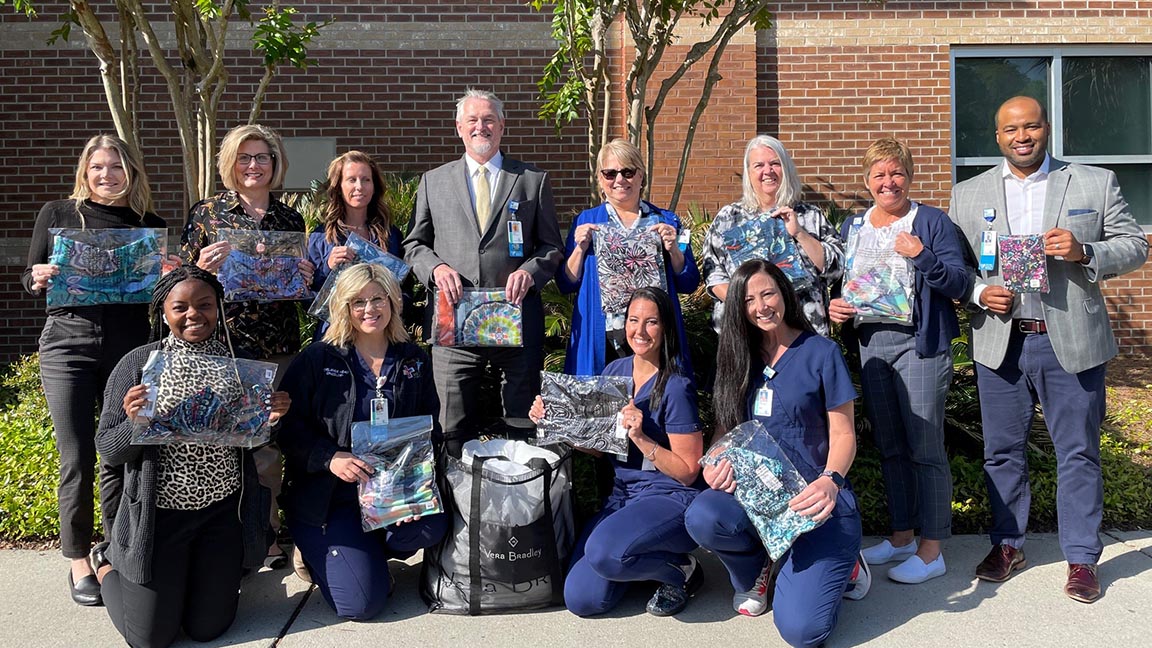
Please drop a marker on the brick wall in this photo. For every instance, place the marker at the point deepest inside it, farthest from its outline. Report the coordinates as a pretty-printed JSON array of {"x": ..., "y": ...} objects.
[{"x": 829, "y": 78}]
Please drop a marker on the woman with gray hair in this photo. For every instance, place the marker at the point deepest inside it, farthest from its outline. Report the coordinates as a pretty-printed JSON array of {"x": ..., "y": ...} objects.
[{"x": 772, "y": 189}]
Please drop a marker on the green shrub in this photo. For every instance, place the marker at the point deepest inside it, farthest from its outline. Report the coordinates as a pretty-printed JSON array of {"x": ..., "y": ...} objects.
[{"x": 29, "y": 463}]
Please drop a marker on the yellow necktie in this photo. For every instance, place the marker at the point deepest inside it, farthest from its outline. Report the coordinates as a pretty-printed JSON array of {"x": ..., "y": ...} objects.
[{"x": 483, "y": 198}]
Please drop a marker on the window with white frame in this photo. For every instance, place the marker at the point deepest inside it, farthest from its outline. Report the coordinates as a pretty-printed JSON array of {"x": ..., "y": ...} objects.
[{"x": 1099, "y": 102}]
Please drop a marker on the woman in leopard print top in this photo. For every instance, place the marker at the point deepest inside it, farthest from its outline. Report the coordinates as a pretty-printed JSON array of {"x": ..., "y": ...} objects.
[{"x": 191, "y": 515}]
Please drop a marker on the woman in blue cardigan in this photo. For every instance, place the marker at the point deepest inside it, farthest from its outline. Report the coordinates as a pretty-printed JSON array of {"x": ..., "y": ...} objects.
[
  {"x": 906, "y": 362},
  {"x": 594, "y": 340}
]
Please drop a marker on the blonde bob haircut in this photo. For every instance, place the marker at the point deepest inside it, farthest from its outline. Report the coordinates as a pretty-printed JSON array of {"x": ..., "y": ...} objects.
[
  {"x": 136, "y": 188},
  {"x": 626, "y": 153},
  {"x": 230, "y": 147},
  {"x": 885, "y": 149},
  {"x": 351, "y": 281}
]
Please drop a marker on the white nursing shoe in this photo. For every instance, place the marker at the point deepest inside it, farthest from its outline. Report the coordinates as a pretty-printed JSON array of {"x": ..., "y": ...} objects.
[
  {"x": 885, "y": 552},
  {"x": 914, "y": 571}
]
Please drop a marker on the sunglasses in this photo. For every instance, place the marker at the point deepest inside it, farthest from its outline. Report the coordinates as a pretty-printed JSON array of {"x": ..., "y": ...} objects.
[{"x": 610, "y": 174}]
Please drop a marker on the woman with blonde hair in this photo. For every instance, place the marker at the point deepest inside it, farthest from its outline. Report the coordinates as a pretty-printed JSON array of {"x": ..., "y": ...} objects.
[
  {"x": 365, "y": 356},
  {"x": 598, "y": 337},
  {"x": 81, "y": 344},
  {"x": 252, "y": 163}
]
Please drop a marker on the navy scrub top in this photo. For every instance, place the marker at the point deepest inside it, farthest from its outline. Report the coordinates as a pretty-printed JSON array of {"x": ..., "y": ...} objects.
[
  {"x": 811, "y": 379},
  {"x": 676, "y": 413}
]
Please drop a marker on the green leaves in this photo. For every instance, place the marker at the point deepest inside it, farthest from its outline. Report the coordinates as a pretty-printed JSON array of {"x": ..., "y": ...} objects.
[{"x": 281, "y": 40}]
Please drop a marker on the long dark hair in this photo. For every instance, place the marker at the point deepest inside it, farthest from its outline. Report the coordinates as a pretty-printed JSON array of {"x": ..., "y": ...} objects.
[
  {"x": 670, "y": 346},
  {"x": 738, "y": 356},
  {"x": 167, "y": 283}
]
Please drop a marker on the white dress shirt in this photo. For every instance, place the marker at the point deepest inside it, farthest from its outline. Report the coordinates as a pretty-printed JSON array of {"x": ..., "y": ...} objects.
[{"x": 494, "y": 165}]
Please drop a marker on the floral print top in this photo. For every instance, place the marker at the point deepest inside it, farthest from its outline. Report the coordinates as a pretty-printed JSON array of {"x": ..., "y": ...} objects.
[
  {"x": 813, "y": 296},
  {"x": 259, "y": 329}
]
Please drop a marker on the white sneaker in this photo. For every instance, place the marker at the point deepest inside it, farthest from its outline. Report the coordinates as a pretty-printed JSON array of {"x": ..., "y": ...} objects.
[
  {"x": 914, "y": 571},
  {"x": 885, "y": 552},
  {"x": 861, "y": 580},
  {"x": 754, "y": 602}
]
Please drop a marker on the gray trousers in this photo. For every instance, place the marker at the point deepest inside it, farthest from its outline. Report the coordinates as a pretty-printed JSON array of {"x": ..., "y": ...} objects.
[
  {"x": 904, "y": 398},
  {"x": 76, "y": 357}
]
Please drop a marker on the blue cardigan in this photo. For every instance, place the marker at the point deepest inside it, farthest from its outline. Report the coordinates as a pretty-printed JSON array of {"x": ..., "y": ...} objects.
[
  {"x": 585, "y": 355},
  {"x": 940, "y": 276}
]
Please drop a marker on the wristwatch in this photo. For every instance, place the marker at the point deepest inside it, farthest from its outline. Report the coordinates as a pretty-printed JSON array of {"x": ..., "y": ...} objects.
[
  {"x": 836, "y": 478},
  {"x": 1088, "y": 254}
]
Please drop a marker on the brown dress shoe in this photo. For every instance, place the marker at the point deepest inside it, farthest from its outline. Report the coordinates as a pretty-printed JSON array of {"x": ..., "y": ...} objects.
[
  {"x": 1082, "y": 585},
  {"x": 999, "y": 564}
]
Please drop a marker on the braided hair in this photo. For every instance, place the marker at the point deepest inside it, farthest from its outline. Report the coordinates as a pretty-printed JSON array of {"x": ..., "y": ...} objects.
[{"x": 165, "y": 286}]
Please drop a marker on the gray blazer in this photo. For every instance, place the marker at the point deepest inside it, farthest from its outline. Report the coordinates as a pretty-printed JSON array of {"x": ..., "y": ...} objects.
[
  {"x": 444, "y": 230},
  {"x": 1085, "y": 200}
]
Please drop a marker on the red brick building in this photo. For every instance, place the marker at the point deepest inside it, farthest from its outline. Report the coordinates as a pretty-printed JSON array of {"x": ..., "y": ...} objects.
[{"x": 828, "y": 78}]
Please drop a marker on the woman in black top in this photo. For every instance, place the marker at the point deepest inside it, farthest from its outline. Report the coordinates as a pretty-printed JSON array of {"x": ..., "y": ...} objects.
[
  {"x": 192, "y": 514},
  {"x": 81, "y": 344},
  {"x": 365, "y": 355}
]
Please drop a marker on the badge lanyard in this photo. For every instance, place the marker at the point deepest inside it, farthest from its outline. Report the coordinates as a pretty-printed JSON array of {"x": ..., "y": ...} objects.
[
  {"x": 515, "y": 231},
  {"x": 763, "y": 406},
  {"x": 988, "y": 241},
  {"x": 379, "y": 414}
]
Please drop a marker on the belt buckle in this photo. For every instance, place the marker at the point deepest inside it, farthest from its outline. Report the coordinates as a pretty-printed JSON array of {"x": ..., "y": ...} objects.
[{"x": 1030, "y": 326}]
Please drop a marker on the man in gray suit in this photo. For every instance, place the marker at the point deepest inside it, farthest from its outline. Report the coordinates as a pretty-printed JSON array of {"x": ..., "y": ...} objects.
[
  {"x": 485, "y": 220},
  {"x": 1048, "y": 346}
]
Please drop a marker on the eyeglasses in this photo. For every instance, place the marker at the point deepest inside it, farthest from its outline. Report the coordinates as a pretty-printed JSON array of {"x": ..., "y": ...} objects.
[
  {"x": 263, "y": 159},
  {"x": 361, "y": 305},
  {"x": 610, "y": 174}
]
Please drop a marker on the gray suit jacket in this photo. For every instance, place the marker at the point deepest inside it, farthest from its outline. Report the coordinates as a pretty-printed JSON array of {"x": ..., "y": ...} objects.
[
  {"x": 1085, "y": 200},
  {"x": 444, "y": 230}
]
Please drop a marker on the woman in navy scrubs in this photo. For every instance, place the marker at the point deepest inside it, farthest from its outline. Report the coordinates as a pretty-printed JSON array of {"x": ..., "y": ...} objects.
[
  {"x": 639, "y": 535},
  {"x": 767, "y": 344},
  {"x": 365, "y": 355}
]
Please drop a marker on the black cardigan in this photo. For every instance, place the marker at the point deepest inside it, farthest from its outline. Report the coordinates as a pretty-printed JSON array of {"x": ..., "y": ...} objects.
[
  {"x": 133, "y": 531},
  {"x": 322, "y": 384}
]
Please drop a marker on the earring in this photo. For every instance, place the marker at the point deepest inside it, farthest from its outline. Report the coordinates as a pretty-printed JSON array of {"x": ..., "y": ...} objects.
[{"x": 164, "y": 317}]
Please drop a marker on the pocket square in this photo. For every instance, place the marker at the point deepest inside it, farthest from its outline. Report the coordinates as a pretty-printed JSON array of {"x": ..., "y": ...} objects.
[{"x": 1081, "y": 212}]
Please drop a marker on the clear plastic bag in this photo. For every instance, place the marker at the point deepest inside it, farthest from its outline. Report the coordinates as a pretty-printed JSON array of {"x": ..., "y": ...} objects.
[
  {"x": 872, "y": 280},
  {"x": 105, "y": 266},
  {"x": 205, "y": 399},
  {"x": 583, "y": 411},
  {"x": 627, "y": 259},
  {"x": 366, "y": 252},
  {"x": 263, "y": 265},
  {"x": 404, "y": 482},
  {"x": 1023, "y": 266},
  {"x": 766, "y": 238},
  {"x": 482, "y": 318},
  {"x": 765, "y": 481}
]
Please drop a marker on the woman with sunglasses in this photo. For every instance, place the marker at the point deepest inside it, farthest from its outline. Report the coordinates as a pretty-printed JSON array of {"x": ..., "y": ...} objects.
[{"x": 594, "y": 341}]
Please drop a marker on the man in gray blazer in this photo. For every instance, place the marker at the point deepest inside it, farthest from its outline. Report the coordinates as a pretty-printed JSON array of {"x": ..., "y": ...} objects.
[
  {"x": 1048, "y": 346},
  {"x": 488, "y": 221}
]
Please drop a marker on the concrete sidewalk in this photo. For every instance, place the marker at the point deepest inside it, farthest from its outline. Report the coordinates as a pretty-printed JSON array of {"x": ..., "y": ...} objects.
[{"x": 277, "y": 609}]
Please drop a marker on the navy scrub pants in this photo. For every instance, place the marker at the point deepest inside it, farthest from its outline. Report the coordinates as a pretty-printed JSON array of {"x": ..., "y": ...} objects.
[
  {"x": 350, "y": 566},
  {"x": 642, "y": 539},
  {"x": 815, "y": 571}
]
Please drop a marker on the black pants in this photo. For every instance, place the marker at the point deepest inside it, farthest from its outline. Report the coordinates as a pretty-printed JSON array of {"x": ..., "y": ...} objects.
[
  {"x": 76, "y": 357},
  {"x": 195, "y": 584}
]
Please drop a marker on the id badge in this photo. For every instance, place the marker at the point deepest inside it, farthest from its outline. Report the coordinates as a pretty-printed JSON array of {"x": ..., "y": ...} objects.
[
  {"x": 621, "y": 433},
  {"x": 763, "y": 402},
  {"x": 148, "y": 410},
  {"x": 379, "y": 415},
  {"x": 987, "y": 250},
  {"x": 685, "y": 239},
  {"x": 515, "y": 238}
]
